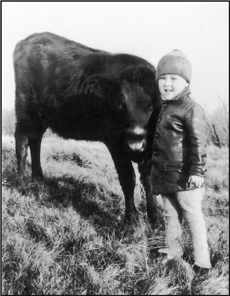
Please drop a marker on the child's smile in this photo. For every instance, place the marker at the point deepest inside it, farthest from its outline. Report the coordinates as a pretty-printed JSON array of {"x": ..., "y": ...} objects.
[{"x": 170, "y": 85}]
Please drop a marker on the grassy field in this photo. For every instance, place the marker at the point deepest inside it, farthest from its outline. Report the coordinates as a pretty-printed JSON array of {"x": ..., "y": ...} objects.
[{"x": 66, "y": 235}]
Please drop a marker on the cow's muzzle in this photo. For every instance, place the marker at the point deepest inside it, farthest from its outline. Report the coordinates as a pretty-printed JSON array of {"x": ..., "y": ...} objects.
[{"x": 136, "y": 139}]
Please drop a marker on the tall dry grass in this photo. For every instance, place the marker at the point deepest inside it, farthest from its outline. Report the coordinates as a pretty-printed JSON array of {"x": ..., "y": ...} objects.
[{"x": 66, "y": 235}]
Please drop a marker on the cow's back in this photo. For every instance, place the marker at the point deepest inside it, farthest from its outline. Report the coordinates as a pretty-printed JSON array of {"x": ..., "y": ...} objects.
[
  {"x": 43, "y": 61},
  {"x": 47, "y": 44}
]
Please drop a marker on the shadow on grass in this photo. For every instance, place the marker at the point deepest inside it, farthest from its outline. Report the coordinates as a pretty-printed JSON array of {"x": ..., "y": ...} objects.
[
  {"x": 89, "y": 200},
  {"x": 92, "y": 201}
]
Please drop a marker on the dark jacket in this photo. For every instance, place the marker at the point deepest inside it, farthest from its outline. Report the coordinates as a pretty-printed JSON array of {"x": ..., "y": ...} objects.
[{"x": 179, "y": 145}]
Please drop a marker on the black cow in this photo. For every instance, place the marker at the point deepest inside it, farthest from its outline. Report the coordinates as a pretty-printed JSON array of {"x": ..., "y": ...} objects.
[{"x": 83, "y": 94}]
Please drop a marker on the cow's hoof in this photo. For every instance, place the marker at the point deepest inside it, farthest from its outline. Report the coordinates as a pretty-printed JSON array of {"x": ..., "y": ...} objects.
[
  {"x": 128, "y": 228},
  {"x": 38, "y": 177},
  {"x": 21, "y": 186},
  {"x": 132, "y": 219},
  {"x": 154, "y": 222}
]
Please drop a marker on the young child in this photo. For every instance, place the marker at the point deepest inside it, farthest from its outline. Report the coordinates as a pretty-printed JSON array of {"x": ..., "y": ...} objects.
[{"x": 178, "y": 159}]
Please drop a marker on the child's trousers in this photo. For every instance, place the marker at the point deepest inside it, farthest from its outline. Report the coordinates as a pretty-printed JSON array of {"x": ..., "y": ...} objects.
[{"x": 186, "y": 205}]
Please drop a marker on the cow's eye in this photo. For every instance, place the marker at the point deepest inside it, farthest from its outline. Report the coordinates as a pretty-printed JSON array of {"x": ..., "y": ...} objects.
[{"x": 120, "y": 106}]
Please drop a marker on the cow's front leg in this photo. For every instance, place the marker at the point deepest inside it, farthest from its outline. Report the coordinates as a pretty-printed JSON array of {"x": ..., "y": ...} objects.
[
  {"x": 127, "y": 180},
  {"x": 152, "y": 208}
]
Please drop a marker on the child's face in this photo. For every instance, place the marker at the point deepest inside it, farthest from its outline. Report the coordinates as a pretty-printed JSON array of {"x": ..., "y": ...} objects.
[{"x": 170, "y": 85}]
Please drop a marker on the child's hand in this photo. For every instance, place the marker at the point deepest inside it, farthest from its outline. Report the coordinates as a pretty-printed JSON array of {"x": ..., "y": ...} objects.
[{"x": 196, "y": 180}]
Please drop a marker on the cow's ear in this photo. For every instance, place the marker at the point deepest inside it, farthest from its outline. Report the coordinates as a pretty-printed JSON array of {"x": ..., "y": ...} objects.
[{"x": 97, "y": 85}]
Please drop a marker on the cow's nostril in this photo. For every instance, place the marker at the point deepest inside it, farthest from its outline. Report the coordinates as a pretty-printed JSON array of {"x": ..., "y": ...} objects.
[
  {"x": 139, "y": 131},
  {"x": 136, "y": 132}
]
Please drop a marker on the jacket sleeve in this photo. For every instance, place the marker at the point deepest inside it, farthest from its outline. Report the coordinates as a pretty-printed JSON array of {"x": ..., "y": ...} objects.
[{"x": 196, "y": 128}]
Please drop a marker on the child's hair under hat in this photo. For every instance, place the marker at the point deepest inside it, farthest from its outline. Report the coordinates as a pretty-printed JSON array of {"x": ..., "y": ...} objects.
[{"x": 174, "y": 62}]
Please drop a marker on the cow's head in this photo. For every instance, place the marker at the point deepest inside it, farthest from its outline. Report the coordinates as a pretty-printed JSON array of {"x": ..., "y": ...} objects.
[
  {"x": 139, "y": 96},
  {"x": 127, "y": 101}
]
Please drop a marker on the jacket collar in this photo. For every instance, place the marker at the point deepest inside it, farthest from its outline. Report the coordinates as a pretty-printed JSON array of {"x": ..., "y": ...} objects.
[{"x": 182, "y": 94}]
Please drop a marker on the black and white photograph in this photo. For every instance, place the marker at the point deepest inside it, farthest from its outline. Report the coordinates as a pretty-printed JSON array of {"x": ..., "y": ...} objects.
[{"x": 115, "y": 148}]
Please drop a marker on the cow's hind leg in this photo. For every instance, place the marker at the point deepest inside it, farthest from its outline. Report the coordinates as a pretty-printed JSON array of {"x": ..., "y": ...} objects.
[
  {"x": 29, "y": 131},
  {"x": 35, "y": 150},
  {"x": 21, "y": 141},
  {"x": 38, "y": 128}
]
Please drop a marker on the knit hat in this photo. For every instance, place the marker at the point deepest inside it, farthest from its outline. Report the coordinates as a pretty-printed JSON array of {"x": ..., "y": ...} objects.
[{"x": 174, "y": 62}]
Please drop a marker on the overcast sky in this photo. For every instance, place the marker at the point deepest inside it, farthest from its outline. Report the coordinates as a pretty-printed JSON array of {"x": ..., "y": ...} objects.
[{"x": 146, "y": 29}]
